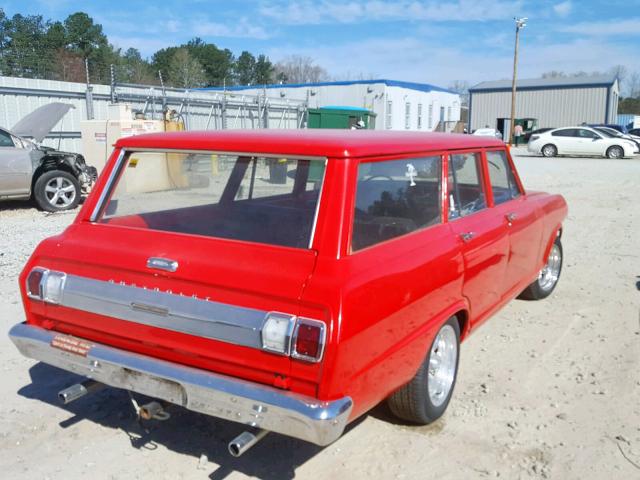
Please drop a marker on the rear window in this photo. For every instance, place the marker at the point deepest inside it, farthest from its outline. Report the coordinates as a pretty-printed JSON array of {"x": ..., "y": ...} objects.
[{"x": 250, "y": 198}]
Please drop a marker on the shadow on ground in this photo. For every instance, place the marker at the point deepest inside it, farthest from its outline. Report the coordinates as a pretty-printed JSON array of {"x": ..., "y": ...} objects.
[
  {"x": 186, "y": 432},
  {"x": 17, "y": 205}
]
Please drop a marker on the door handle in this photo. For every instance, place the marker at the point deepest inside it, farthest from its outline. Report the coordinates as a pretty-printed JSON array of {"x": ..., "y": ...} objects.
[
  {"x": 511, "y": 217},
  {"x": 467, "y": 237}
]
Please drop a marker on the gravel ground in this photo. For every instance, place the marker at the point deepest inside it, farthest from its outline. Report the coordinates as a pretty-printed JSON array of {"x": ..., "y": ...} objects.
[{"x": 546, "y": 389}]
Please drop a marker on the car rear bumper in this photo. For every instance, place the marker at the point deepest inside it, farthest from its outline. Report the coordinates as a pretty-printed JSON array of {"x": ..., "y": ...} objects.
[{"x": 202, "y": 391}]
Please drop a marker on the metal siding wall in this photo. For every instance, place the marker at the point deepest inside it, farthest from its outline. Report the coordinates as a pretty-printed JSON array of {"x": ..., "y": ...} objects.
[
  {"x": 14, "y": 106},
  {"x": 552, "y": 108}
]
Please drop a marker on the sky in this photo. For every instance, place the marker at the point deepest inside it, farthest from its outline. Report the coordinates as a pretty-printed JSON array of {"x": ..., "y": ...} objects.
[{"x": 432, "y": 41}]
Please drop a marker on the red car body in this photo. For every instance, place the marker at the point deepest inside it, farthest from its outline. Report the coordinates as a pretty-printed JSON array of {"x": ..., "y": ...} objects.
[{"x": 382, "y": 305}]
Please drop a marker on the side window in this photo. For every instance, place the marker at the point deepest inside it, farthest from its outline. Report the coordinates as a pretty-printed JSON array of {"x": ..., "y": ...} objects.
[
  {"x": 394, "y": 198},
  {"x": 503, "y": 181},
  {"x": 567, "y": 132},
  {"x": 466, "y": 190},
  {"x": 586, "y": 133},
  {"x": 5, "y": 139}
]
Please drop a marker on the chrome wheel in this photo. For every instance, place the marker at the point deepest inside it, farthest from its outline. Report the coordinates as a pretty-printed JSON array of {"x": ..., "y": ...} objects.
[
  {"x": 615, "y": 152},
  {"x": 549, "y": 151},
  {"x": 550, "y": 273},
  {"x": 442, "y": 365},
  {"x": 60, "y": 192}
]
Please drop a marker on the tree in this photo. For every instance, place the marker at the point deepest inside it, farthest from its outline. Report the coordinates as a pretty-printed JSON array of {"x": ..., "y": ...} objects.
[
  {"x": 461, "y": 87},
  {"x": 299, "y": 69},
  {"x": 84, "y": 36},
  {"x": 185, "y": 71},
  {"x": 553, "y": 74},
  {"x": 633, "y": 85},
  {"x": 245, "y": 69},
  {"x": 620, "y": 72},
  {"x": 134, "y": 69},
  {"x": 217, "y": 63},
  {"x": 264, "y": 70},
  {"x": 69, "y": 66},
  {"x": 25, "y": 51}
]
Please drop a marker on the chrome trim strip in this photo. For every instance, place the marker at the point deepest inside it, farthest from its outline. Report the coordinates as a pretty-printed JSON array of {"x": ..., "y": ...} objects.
[
  {"x": 315, "y": 215},
  {"x": 106, "y": 190},
  {"x": 261, "y": 406},
  {"x": 193, "y": 316}
]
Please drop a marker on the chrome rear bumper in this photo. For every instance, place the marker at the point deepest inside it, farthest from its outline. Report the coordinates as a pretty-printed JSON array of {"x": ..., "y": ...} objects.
[{"x": 206, "y": 392}]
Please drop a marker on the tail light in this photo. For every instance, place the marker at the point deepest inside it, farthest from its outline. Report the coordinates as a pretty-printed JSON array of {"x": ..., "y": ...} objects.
[
  {"x": 308, "y": 340},
  {"x": 45, "y": 285},
  {"x": 533, "y": 138},
  {"x": 300, "y": 338}
]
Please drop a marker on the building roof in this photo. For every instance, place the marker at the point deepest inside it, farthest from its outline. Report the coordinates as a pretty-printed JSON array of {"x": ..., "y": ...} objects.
[
  {"x": 547, "y": 83},
  {"x": 320, "y": 142},
  {"x": 422, "y": 87}
]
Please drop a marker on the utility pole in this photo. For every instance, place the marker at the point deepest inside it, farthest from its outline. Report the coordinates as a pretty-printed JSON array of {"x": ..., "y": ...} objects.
[
  {"x": 520, "y": 23},
  {"x": 89, "y": 91}
]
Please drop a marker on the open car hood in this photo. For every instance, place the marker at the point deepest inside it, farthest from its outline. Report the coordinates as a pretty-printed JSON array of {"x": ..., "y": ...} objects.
[{"x": 41, "y": 121}]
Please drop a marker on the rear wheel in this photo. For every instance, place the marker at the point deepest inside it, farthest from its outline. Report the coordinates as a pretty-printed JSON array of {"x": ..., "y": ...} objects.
[
  {"x": 56, "y": 190},
  {"x": 425, "y": 398},
  {"x": 549, "y": 150},
  {"x": 615, "y": 152},
  {"x": 548, "y": 276}
]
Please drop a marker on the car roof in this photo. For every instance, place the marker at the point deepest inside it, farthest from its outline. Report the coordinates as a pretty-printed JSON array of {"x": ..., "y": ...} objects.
[{"x": 313, "y": 142}]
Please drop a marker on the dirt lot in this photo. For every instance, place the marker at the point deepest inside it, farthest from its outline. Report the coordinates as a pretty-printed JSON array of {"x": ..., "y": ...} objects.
[{"x": 546, "y": 389}]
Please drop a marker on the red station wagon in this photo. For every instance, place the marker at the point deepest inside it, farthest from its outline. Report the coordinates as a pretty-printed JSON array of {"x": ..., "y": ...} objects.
[{"x": 288, "y": 280}]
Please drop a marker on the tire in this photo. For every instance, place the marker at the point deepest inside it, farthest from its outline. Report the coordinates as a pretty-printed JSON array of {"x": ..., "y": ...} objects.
[
  {"x": 548, "y": 276},
  {"x": 549, "y": 150},
  {"x": 56, "y": 190},
  {"x": 423, "y": 400},
  {"x": 615, "y": 152}
]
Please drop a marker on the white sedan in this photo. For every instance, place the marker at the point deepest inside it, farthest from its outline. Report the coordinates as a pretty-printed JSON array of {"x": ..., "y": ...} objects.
[{"x": 580, "y": 141}]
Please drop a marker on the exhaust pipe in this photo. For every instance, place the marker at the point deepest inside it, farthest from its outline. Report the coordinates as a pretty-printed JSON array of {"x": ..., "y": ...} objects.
[
  {"x": 245, "y": 441},
  {"x": 78, "y": 390}
]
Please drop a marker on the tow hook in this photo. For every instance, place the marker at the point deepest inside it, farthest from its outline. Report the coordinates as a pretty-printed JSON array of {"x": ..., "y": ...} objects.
[{"x": 153, "y": 410}]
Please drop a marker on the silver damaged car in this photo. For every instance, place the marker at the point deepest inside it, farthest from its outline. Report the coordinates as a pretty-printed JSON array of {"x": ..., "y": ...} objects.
[{"x": 29, "y": 170}]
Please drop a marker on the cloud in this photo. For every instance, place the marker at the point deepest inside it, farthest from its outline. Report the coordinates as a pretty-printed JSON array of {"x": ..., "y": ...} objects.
[
  {"x": 608, "y": 28},
  {"x": 146, "y": 45},
  {"x": 405, "y": 59},
  {"x": 333, "y": 11},
  {"x": 563, "y": 9},
  {"x": 241, "y": 29}
]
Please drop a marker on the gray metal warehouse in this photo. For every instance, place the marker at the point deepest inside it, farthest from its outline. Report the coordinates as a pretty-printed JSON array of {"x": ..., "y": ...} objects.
[{"x": 544, "y": 102}]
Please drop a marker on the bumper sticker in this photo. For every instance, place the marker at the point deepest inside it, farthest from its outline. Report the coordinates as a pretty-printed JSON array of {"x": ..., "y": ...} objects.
[{"x": 71, "y": 345}]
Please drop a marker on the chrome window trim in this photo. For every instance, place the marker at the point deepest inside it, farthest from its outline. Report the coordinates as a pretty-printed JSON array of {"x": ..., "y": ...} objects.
[
  {"x": 179, "y": 313},
  {"x": 292, "y": 156},
  {"x": 106, "y": 190},
  {"x": 105, "y": 194},
  {"x": 317, "y": 212}
]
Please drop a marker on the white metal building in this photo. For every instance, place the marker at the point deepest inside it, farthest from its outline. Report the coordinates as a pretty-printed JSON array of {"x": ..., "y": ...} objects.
[
  {"x": 397, "y": 105},
  {"x": 553, "y": 102}
]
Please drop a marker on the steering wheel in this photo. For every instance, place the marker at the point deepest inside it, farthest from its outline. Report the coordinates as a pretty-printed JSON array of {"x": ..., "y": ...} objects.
[
  {"x": 471, "y": 206},
  {"x": 387, "y": 177}
]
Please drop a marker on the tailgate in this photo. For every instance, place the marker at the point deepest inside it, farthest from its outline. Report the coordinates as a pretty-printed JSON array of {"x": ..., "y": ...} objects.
[{"x": 207, "y": 313}]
